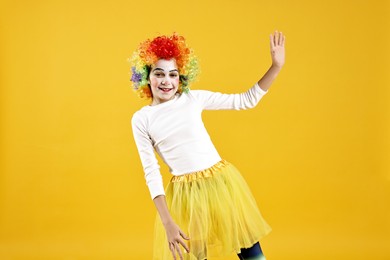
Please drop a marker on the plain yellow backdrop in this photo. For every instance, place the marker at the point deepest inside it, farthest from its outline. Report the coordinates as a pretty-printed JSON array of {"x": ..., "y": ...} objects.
[{"x": 315, "y": 151}]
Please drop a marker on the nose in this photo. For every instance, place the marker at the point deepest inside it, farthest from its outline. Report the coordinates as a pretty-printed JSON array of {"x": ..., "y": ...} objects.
[{"x": 164, "y": 81}]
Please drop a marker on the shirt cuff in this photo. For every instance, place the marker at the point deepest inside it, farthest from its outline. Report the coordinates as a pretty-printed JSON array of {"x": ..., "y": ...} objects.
[
  {"x": 156, "y": 189},
  {"x": 262, "y": 91}
]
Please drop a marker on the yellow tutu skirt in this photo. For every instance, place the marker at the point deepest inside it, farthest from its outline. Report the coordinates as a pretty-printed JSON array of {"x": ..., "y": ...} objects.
[{"x": 216, "y": 209}]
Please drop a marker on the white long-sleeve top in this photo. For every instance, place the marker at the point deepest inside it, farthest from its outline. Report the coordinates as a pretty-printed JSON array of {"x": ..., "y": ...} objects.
[{"x": 175, "y": 130}]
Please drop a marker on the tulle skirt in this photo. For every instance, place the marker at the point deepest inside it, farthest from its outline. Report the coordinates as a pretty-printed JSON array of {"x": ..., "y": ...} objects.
[{"x": 216, "y": 209}]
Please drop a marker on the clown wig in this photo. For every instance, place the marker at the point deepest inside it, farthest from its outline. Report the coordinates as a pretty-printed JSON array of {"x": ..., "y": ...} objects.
[{"x": 162, "y": 47}]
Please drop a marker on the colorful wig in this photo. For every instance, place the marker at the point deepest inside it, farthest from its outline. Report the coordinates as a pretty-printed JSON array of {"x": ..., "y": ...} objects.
[{"x": 162, "y": 47}]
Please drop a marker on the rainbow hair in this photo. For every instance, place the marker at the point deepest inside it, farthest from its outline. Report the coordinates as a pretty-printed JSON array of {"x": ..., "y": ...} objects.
[{"x": 162, "y": 47}]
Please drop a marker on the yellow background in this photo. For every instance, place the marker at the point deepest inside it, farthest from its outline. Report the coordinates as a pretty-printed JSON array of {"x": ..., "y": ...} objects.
[{"x": 315, "y": 151}]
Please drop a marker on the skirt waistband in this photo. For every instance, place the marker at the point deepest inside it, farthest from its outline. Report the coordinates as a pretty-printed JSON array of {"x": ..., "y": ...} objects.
[{"x": 209, "y": 172}]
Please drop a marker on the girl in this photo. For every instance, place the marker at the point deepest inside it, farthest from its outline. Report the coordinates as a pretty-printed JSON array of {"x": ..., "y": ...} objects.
[{"x": 207, "y": 207}]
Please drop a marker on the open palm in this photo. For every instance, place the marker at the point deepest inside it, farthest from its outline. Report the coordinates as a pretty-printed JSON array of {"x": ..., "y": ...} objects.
[{"x": 277, "y": 48}]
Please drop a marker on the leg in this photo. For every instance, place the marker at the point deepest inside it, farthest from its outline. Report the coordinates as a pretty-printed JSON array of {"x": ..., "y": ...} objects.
[{"x": 252, "y": 253}]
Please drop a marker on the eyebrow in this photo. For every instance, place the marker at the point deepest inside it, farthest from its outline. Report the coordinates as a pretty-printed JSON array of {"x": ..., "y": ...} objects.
[{"x": 163, "y": 70}]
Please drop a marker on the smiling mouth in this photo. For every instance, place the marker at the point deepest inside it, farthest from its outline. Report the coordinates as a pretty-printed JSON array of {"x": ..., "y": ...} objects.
[{"x": 165, "y": 89}]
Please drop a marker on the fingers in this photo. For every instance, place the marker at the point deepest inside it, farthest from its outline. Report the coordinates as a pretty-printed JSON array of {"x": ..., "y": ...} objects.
[
  {"x": 184, "y": 245},
  {"x": 172, "y": 248},
  {"x": 277, "y": 39},
  {"x": 182, "y": 242},
  {"x": 271, "y": 41},
  {"x": 175, "y": 247},
  {"x": 184, "y": 235},
  {"x": 175, "y": 240},
  {"x": 179, "y": 251},
  {"x": 280, "y": 37}
]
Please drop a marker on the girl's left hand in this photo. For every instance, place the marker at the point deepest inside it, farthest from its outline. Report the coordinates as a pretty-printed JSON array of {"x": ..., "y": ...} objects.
[{"x": 277, "y": 49}]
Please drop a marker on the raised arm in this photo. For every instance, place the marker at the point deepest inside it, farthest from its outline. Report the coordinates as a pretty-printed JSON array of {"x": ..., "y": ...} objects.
[
  {"x": 278, "y": 57},
  {"x": 209, "y": 100}
]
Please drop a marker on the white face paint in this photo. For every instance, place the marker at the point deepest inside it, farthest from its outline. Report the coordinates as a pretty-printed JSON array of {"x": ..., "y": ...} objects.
[{"x": 164, "y": 80}]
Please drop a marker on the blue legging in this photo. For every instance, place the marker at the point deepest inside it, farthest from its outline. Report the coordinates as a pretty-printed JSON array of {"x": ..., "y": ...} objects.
[{"x": 253, "y": 253}]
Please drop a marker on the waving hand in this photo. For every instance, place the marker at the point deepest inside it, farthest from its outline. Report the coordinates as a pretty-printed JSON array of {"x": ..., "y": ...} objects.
[{"x": 277, "y": 48}]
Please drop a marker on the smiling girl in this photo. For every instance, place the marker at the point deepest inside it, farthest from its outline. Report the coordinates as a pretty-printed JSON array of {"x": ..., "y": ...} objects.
[
  {"x": 164, "y": 80},
  {"x": 207, "y": 207}
]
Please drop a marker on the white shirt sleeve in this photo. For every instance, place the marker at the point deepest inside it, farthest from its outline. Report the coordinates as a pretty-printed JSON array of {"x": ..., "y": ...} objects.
[
  {"x": 215, "y": 100},
  {"x": 148, "y": 158}
]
